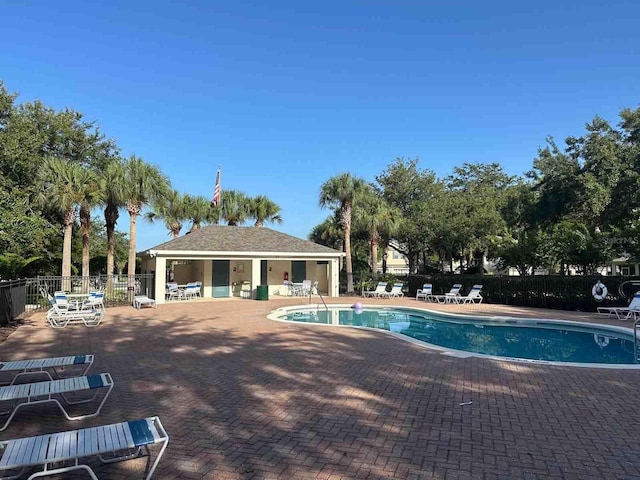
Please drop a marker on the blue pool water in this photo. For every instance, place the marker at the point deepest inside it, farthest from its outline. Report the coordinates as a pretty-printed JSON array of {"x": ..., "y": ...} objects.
[{"x": 527, "y": 339}]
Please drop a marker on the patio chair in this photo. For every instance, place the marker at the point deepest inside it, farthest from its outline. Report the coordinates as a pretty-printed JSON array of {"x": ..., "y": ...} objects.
[
  {"x": 26, "y": 394},
  {"x": 381, "y": 289},
  {"x": 425, "y": 293},
  {"x": 63, "y": 452},
  {"x": 172, "y": 291},
  {"x": 473, "y": 296},
  {"x": 95, "y": 301},
  {"x": 451, "y": 296},
  {"x": 199, "y": 290},
  {"x": 46, "y": 366},
  {"x": 396, "y": 291},
  {"x": 624, "y": 313},
  {"x": 306, "y": 288},
  {"x": 190, "y": 291},
  {"x": 60, "y": 318},
  {"x": 61, "y": 300},
  {"x": 140, "y": 301}
]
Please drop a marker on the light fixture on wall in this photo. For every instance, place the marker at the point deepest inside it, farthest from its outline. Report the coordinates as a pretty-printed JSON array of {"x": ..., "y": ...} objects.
[
  {"x": 234, "y": 269},
  {"x": 270, "y": 268}
]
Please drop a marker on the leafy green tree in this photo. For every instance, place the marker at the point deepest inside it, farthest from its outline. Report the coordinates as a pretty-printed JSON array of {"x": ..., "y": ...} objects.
[
  {"x": 172, "y": 210},
  {"x": 89, "y": 192},
  {"x": 143, "y": 184},
  {"x": 23, "y": 229},
  {"x": 13, "y": 265},
  {"x": 412, "y": 191},
  {"x": 264, "y": 210},
  {"x": 62, "y": 183},
  {"x": 378, "y": 219},
  {"x": 482, "y": 193},
  {"x": 235, "y": 207},
  {"x": 339, "y": 192},
  {"x": 329, "y": 233},
  {"x": 199, "y": 211},
  {"x": 111, "y": 180}
]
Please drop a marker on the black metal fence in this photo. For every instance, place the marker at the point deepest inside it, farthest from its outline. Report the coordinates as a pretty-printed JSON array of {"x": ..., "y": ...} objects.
[
  {"x": 118, "y": 290},
  {"x": 13, "y": 300},
  {"x": 542, "y": 291}
]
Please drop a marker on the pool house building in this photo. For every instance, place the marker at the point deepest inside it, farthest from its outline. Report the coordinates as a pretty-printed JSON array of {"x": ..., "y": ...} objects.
[{"x": 232, "y": 261}]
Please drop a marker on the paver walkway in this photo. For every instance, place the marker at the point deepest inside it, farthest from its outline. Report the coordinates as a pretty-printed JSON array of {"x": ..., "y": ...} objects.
[{"x": 243, "y": 397}]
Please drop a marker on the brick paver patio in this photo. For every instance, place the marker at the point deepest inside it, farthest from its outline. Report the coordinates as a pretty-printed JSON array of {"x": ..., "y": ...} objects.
[{"x": 243, "y": 397}]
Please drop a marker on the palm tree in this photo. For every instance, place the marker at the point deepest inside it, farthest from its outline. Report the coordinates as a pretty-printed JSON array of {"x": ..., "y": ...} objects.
[
  {"x": 143, "y": 184},
  {"x": 339, "y": 192},
  {"x": 111, "y": 186},
  {"x": 379, "y": 219},
  {"x": 235, "y": 207},
  {"x": 264, "y": 210},
  {"x": 61, "y": 190},
  {"x": 172, "y": 209},
  {"x": 199, "y": 210},
  {"x": 90, "y": 193}
]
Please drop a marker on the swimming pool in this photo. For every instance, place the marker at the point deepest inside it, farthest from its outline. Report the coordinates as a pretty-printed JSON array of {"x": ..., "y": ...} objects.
[{"x": 523, "y": 339}]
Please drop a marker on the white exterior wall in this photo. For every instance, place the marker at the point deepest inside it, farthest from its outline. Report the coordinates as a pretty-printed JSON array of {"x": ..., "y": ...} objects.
[
  {"x": 334, "y": 279},
  {"x": 160, "y": 268}
]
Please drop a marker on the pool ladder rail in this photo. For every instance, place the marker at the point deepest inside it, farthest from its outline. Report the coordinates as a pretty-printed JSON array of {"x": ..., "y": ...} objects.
[{"x": 319, "y": 294}]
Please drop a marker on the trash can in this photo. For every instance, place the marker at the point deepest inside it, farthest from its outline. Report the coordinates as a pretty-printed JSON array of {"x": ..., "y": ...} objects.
[{"x": 262, "y": 292}]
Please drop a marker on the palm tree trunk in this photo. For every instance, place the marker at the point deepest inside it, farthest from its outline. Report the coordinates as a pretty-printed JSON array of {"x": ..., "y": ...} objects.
[
  {"x": 85, "y": 225},
  {"x": 66, "y": 249},
  {"x": 110, "y": 218},
  {"x": 347, "y": 246},
  {"x": 374, "y": 257},
  {"x": 131, "y": 267}
]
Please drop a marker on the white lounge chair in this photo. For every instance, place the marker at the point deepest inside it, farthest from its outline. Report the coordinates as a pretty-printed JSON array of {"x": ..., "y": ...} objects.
[
  {"x": 396, "y": 291},
  {"x": 63, "y": 452},
  {"x": 624, "y": 313},
  {"x": 140, "y": 301},
  {"x": 47, "y": 366},
  {"x": 473, "y": 296},
  {"x": 381, "y": 289},
  {"x": 60, "y": 318},
  {"x": 95, "y": 301},
  {"x": 451, "y": 296},
  {"x": 425, "y": 293},
  {"x": 42, "y": 392}
]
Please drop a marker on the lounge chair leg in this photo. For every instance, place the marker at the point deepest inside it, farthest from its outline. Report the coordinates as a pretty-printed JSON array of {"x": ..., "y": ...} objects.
[
  {"x": 125, "y": 455},
  {"x": 55, "y": 471}
]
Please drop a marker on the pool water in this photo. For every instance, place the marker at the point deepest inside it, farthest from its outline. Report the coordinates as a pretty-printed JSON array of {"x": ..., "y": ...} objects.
[{"x": 527, "y": 339}]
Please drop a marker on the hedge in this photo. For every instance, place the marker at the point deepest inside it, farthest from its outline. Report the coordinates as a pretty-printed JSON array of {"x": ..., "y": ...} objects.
[{"x": 559, "y": 292}]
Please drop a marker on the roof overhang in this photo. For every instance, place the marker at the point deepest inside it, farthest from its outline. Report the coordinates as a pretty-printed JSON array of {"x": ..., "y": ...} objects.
[{"x": 198, "y": 254}]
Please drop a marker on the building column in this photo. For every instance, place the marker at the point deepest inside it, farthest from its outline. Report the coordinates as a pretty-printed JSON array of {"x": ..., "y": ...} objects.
[
  {"x": 161, "y": 271},
  {"x": 334, "y": 278},
  {"x": 255, "y": 277}
]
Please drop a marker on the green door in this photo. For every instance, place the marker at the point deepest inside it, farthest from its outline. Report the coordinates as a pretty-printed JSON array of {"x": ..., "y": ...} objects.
[
  {"x": 298, "y": 271},
  {"x": 220, "y": 279}
]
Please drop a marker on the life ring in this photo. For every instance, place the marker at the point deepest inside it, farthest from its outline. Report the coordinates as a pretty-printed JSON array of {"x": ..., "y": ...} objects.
[{"x": 599, "y": 291}]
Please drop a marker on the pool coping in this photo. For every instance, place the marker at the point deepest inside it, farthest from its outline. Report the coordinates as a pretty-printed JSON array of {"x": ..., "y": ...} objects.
[{"x": 274, "y": 316}]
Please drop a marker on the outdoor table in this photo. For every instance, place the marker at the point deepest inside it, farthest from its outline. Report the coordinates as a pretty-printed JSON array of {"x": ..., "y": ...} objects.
[{"x": 77, "y": 299}]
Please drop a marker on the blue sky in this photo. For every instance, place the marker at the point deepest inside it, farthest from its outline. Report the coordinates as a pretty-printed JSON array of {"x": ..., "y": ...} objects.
[{"x": 286, "y": 94}]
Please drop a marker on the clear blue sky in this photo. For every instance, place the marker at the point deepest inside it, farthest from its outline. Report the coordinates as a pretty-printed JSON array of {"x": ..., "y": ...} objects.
[{"x": 285, "y": 94}]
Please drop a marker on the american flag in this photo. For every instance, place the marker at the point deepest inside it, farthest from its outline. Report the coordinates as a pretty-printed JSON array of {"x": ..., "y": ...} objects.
[{"x": 216, "y": 191}]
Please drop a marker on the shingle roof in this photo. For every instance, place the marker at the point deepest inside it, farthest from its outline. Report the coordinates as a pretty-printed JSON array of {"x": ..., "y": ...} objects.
[{"x": 221, "y": 238}]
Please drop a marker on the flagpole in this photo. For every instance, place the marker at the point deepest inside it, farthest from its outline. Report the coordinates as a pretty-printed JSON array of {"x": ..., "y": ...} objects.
[{"x": 220, "y": 186}]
